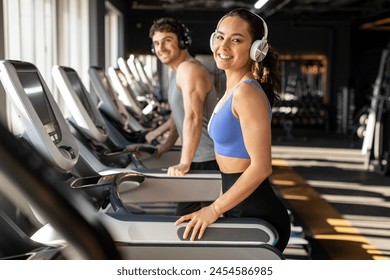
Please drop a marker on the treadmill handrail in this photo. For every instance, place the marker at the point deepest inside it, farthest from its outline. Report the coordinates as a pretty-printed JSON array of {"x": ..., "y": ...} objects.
[{"x": 73, "y": 216}]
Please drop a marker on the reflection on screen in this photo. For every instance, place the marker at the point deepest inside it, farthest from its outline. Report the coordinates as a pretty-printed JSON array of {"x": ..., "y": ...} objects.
[
  {"x": 77, "y": 87},
  {"x": 34, "y": 90}
]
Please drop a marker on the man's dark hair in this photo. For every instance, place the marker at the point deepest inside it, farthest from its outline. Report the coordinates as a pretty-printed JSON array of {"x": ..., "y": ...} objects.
[{"x": 166, "y": 25}]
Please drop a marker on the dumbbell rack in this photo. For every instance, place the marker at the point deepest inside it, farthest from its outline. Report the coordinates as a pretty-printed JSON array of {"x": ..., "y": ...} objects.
[{"x": 303, "y": 98}]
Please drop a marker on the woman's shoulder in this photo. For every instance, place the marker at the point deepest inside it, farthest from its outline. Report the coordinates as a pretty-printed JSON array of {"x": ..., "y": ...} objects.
[
  {"x": 246, "y": 87},
  {"x": 253, "y": 82},
  {"x": 249, "y": 95}
]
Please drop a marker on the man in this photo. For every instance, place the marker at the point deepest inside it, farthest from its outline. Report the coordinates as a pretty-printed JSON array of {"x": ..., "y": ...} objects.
[{"x": 192, "y": 98}]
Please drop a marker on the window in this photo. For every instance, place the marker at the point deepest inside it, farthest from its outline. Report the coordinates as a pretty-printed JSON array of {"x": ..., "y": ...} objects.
[
  {"x": 73, "y": 36},
  {"x": 114, "y": 34},
  {"x": 28, "y": 33},
  {"x": 46, "y": 33}
]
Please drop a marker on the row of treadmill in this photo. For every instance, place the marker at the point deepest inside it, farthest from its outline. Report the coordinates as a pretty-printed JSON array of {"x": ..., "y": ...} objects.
[{"x": 82, "y": 183}]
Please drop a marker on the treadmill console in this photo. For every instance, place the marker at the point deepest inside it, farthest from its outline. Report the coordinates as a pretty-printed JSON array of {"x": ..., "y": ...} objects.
[
  {"x": 80, "y": 104},
  {"x": 33, "y": 88},
  {"x": 81, "y": 94},
  {"x": 37, "y": 117}
]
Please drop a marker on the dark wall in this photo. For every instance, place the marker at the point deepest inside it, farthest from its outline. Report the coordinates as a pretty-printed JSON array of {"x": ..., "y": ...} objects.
[
  {"x": 138, "y": 24},
  {"x": 366, "y": 50},
  {"x": 96, "y": 37}
]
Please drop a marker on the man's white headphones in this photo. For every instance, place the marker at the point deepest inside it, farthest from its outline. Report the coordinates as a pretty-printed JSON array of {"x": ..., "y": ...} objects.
[{"x": 259, "y": 48}]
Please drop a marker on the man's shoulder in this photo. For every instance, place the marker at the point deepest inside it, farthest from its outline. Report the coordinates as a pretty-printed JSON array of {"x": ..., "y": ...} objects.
[
  {"x": 190, "y": 63},
  {"x": 192, "y": 66}
]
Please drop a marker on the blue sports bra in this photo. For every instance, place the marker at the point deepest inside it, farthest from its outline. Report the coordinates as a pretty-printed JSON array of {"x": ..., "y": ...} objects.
[{"x": 225, "y": 130}]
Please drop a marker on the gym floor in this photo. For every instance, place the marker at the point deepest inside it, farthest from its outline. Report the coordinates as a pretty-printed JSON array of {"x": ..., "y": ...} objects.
[{"x": 343, "y": 209}]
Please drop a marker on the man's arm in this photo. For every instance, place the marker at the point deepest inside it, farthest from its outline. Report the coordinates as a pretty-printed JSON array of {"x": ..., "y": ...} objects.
[
  {"x": 150, "y": 136},
  {"x": 194, "y": 81},
  {"x": 173, "y": 135}
]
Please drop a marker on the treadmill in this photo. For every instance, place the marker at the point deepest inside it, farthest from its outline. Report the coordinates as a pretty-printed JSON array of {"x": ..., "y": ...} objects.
[
  {"x": 142, "y": 93},
  {"x": 27, "y": 179},
  {"x": 103, "y": 151},
  {"x": 145, "y": 78},
  {"x": 143, "y": 113},
  {"x": 90, "y": 125},
  {"x": 136, "y": 236},
  {"x": 85, "y": 235},
  {"x": 109, "y": 103}
]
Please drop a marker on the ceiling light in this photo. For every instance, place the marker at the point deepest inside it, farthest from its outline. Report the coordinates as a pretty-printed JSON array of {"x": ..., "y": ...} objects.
[{"x": 260, "y": 3}]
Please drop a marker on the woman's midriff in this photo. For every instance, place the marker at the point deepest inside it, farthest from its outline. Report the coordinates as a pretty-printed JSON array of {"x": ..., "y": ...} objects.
[{"x": 232, "y": 165}]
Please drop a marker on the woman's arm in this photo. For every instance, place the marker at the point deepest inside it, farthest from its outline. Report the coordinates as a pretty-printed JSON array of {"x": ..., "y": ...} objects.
[{"x": 250, "y": 105}]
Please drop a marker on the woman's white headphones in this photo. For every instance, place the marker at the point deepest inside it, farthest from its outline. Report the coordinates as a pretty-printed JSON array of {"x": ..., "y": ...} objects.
[{"x": 259, "y": 48}]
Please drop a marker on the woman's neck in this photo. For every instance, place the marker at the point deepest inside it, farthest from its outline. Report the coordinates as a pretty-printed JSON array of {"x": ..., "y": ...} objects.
[{"x": 234, "y": 78}]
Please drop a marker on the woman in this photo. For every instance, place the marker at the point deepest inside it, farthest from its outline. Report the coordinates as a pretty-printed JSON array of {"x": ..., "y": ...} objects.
[{"x": 241, "y": 127}]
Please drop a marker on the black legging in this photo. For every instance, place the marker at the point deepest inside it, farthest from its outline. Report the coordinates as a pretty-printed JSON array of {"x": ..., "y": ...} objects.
[{"x": 262, "y": 203}]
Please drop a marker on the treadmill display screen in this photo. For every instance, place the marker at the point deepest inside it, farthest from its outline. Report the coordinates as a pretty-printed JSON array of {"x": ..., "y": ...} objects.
[
  {"x": 34, "y": 90},
  {"x": 78, "y": 88}
]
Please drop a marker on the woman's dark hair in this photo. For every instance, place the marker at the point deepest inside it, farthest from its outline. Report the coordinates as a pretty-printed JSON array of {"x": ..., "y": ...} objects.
[{"x": 266, "y": 72}]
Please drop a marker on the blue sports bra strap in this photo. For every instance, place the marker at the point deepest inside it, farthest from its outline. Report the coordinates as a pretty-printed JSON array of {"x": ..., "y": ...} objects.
[{"x": 256, "y": 83}]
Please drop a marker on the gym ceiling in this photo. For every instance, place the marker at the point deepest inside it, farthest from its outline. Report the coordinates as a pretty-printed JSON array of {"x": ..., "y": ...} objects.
[{"x": 371, "y": 14}]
